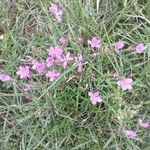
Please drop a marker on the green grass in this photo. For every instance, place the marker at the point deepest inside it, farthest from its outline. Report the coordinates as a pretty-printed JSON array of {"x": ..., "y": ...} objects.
[{"x": 60, "y": 115}]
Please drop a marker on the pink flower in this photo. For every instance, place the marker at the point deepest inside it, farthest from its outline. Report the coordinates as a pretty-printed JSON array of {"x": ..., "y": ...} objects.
[
  {"x": 27, "y": 88},
  {"x": 125, "y": 83},
  {"x": 116, "y": 75},
  {"x": 140, "y": 48},
  {"x": 95, "y": 97},
  {"x": 66, "y": 59},
  {"x": 119, "y": 45},
  {"x": 143, "y": 124},
  {"x": 79, "y": 63},
  {"x": 56, "y": 11},
  {"x": 53, "y": 74},
  {"x": 63, "y": 39},
  {"x": 40, "y": 67},
  {"x": 131, "y": 133},
  {"x": 56, "y": 52},
  {"x": 4, "y": 77},
  {"x": 94, "y": 42},
  {"x": 54, "y": 8},
  {"x": 23, "y": 72},
  {"x": 50, "y": 61}
]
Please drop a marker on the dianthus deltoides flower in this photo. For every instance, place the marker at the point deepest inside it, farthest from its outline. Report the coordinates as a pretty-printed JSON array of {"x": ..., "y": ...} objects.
[
  {"x": 66, "y": 59},
  {"x": 56, "y": 52},
  {"x": 39, "y": 66},
  {"x": 23, "y": 72},
  {"x": 125, "y": 84},
  {"x": 50, "y": 61},
  {"x": 131, "y": 133},
  {"x": 95, "y": 97},
  {"x": 56, "y": 11},
  {"x": 53, "y": 74},
  {"x": 140, "y": 48},
  {"x": 94, "y": 42},
  {"x": 4, "y": 77},
  {"x": 119, "y": 45},
  {"x": 143, "y": 123}
]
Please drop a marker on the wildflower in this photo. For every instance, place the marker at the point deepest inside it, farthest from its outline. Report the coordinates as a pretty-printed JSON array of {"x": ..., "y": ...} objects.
[
  {"x": 53, "y": 74},
  {"x": 94, "y": 42},
  {"x": 143, "y": 124},
  {"x": 40, "y": 67},
  {"x": 95, "y": 97},
  {"x": 56, "y": 11},
  {"x": 64, "y": 40},
  {"x": 4, "y": 77},
  {"x": 140, "y": 48},
  {"x": 116, "y": 75},
  {"x": 66, "y": 59},
  {"x": 50, "y": 61},
  {"x": 119, "y": 45},
  {"x": 56, "y": 52},
  {"x": 23, "y": 72},
  {"x": 131, "y": 133},
  {"x": 125, "y": 83},
  {"x": 54, "y": 8}
]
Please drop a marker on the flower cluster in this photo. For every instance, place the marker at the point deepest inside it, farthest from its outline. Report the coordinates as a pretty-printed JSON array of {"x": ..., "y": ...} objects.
[
  {"x": 132, "y": 133},
  {"x": 57, "y": 56}
]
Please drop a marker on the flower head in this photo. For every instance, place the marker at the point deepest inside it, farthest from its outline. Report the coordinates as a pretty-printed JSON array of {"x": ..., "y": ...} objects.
[
  {"x": 56, "y": 52},
  {"x": 131, "y": 133},
  {"x": 125, "y": 83},
  {"x": 140, "y": 48},
  {"x": 94, "y": 42},
  {"x": 54, "y": 8},
  {"x": 4, "y": 77},
  {"x": 56, "y": 11},
  {"x": 95, "y": 97},
  {"x": 53, "y": 74},
  {"x": 119, "y": 45},
  {"x": 143, "y": 124},
  {"x": 40, "y": 67},
  {"x": 50, "y": 61},
  {"x": 23, "y": 72},
  {"x": 66, "y": 59}
]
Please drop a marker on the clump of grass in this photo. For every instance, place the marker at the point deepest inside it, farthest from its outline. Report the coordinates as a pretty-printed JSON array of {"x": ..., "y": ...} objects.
[{"x": 59, "y": 114}]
